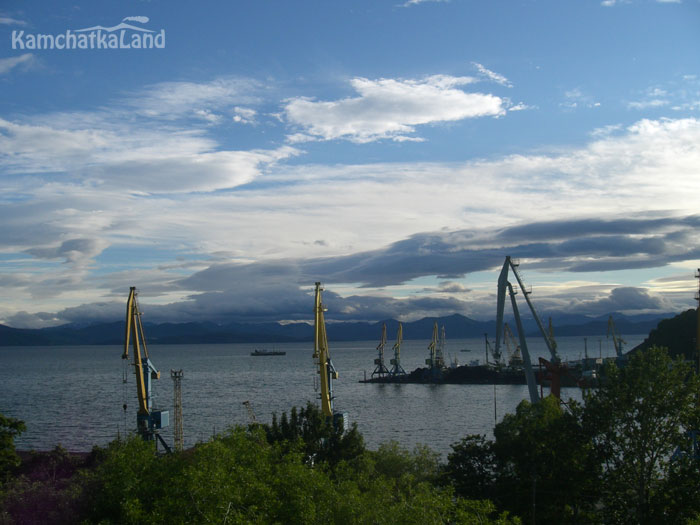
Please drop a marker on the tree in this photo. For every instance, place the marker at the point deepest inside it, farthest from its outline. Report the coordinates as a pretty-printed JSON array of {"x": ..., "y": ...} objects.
[
  {"x": 546, "y": 469},
  {"x": 321, "y": 440},
  {"x": 471, "y": 467},
  {"x": 10, "y": 428},
  {"x": 638, "y": 419}
]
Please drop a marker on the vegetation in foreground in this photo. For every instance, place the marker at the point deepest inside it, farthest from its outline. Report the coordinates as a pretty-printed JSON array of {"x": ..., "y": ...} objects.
[{"x": 624, "y": 455}]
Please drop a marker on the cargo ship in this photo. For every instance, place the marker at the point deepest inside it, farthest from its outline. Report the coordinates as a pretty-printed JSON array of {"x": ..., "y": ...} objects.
[{"x": 259, "y": 352}]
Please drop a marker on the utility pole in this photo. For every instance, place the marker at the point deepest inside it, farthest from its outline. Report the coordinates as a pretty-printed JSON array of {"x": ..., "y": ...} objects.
[{"x": 176, "y": 376}]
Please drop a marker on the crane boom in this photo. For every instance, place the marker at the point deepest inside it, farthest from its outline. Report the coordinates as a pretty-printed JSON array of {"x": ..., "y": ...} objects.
[{"x": 322, "y": 356}]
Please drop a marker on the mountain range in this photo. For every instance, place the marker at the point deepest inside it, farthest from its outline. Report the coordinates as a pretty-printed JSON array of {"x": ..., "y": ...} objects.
[{"x": 456, "y": 327}]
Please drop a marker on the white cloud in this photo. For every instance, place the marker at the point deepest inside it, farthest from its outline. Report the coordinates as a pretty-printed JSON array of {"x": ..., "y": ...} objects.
[
  {"x": 6, "y": 20},
  {"x": 390, "y": 109},
  {"x": 575, "y": 98},
  {"x": 493, "y": 76},
  {"x": 409, "y": 3},
  {"x": 114, "y": 154},
  {"x": 646, "y": 104},
  {"x": 606, "y": 130},
  {"x": 8, "y": 64},
  {"x": 174, "y": 100},
  {"x": 520, "y": 106},
  {"x": 244, "y": 115}
]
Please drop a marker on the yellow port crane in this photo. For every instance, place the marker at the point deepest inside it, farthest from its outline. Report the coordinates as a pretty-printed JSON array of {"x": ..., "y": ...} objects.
[
  {"x": 148, "y": 419},
  {"x": 397, "y": 369},
  {"x": 381, "y": 370},
  {"x": 322, "y": 357},
  {"x": 617, "y": 340}
]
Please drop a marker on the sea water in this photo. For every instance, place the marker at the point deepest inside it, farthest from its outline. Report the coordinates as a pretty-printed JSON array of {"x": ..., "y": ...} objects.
[{"x": 74, "y": 395}]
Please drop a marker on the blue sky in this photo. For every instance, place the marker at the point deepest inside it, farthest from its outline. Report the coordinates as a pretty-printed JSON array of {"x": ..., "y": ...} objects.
[{"x": 395, "y": 151}]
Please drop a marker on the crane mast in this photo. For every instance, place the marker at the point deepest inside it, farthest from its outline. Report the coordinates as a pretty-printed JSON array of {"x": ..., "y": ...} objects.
[
  {"x": 326, "y": 370},
  {"x": 148, "y": 420}
]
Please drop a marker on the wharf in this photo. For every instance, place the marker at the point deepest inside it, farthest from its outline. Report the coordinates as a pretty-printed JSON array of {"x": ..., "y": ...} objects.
[{"x": 461, "y": 375}]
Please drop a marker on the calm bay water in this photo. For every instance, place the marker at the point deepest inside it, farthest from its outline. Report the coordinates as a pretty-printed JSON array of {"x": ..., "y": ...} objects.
[{"x": 73, "y": 395}]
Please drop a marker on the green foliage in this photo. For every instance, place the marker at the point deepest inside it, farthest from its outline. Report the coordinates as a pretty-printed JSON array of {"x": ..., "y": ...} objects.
[
  {"x": 545, "y": 464},
  {"x": 10, "y": 428},
  {"x": 44, "y": 489},
  {"x": 471, "y": 467},
  {"x": 624, "y": 456},
  {"x": 638, "y": 419},
  {"x": 320, "y": 440},
  {"x": 239, "y": 477}
]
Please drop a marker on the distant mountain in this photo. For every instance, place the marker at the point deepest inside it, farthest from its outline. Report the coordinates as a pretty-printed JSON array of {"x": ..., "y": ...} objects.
[
  {"x": 641, "y": 324},
  {"x": 456, "y": 327}
]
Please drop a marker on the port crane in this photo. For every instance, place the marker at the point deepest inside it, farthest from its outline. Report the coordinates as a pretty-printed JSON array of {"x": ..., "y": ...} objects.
[
  {"x": 381, "y": 370},
  {"x": 554, "y": 366},
  {"x": 435, "y": 360},
  {"x": 618, "y": 342},
  {"x": 397, "y": 369},
  {"x": 326, "y": 370},
  {"x": 440, "y": 353},
  {"x": 148, "y": 419}
]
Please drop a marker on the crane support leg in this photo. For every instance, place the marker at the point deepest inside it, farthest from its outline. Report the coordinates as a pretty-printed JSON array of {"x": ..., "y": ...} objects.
[{"x": 529, "y": 375}]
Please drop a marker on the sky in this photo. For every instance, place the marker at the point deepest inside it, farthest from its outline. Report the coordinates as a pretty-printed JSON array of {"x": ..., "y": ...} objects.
[{"x": 222, "y": 157}]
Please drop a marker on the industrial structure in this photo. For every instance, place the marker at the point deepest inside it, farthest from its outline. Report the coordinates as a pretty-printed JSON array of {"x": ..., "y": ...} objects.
[
  {"x": 554, "y": 367},
  {"x": 515, "y": 357},
  {"x": 440, "y": 354},
  {"x": 432, "y": 361},
  {"x": 148, "y": 419},
  {"x": 326, "y": 370},
  {"x": 179, "y": 438},
  {"x": 618, "y": 342},
  {"x": 381, "y": 370},
  {"x": 397, "y": 369}
]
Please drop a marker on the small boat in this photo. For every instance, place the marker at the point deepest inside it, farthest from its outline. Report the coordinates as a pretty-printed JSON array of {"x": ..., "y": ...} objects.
[{"x": 259, "y": 351}]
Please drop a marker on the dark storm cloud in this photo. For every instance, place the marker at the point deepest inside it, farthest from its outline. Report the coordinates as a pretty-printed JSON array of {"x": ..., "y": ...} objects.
[
  {"x": 626, "y": 298},
  {"x": 580, "y": 246},
  {"x": 282, "y": 289},
  {"x": 553, "y": 230}
]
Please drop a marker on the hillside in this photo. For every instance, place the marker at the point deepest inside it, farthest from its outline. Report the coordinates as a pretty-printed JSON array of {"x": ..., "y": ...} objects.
[{"x": 677, "y": 334}]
